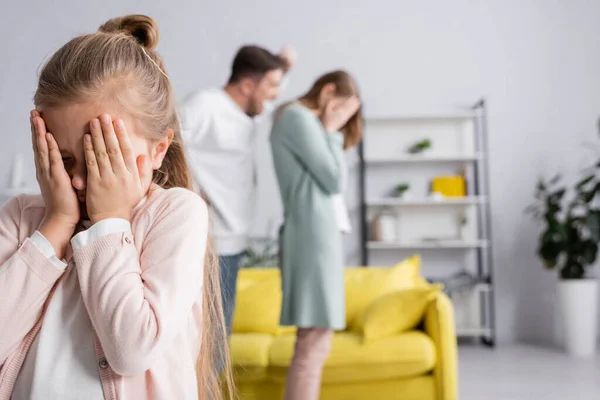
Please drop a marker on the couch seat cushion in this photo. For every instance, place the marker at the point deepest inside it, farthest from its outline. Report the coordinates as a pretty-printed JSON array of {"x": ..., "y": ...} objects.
[
  {"x": 405, "y": 355},
  {"x": 250, "y": 349},
  {"x": 250, "y": 355}
]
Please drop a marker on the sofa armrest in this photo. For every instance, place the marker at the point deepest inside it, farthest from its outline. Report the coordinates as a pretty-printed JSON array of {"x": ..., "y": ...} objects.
[{"x": 439, "y": 325}]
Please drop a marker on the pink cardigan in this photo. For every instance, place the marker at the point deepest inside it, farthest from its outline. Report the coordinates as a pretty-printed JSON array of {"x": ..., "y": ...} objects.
[{"x": 142, "y": 289}]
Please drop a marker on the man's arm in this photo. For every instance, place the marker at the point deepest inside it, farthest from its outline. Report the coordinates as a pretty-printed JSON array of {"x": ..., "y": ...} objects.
[{"x": 289, "y": 56}]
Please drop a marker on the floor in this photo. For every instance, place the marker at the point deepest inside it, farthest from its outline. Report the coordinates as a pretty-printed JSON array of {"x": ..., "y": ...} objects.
[{"x": 525, "y": 373}]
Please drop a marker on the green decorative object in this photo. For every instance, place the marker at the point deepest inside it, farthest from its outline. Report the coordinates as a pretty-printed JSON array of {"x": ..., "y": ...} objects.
[
  {"x": 264, "y": 253},
  {"x": 401, "y": 189},
  {"x": 419, "y": 147},
  {"x": 569, "y": 240}
]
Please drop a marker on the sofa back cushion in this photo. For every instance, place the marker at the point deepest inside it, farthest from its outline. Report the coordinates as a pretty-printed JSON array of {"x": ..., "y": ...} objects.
[
  {"x": 363, "y": 285},
  {"x": 258, "y": 298},
  {"x": 258, "y": 301},
  {"x": 394, "y": 312}
]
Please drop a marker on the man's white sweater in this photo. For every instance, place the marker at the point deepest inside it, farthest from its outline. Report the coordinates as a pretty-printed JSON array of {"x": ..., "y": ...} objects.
[{"x": 220, "y": 140}]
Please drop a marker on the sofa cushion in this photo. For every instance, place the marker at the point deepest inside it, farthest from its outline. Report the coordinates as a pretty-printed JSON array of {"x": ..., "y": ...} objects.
[
  {"x": 395, "y": 312},
  {"x": 351, "y": 360},
  {"x": 363, "y": 285},
  {"x": 417, "y": 388},
  {"x": 250, "y": 355},
  {"x": 258, "y": 301},
  {"x": 250, "y": 349}
]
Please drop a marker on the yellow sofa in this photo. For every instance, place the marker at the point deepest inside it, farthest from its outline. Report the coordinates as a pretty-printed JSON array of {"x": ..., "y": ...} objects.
[{"x": 416, "y": 365}]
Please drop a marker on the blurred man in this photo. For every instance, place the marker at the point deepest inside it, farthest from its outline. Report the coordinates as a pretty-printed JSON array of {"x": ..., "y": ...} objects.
[{"x": 220, "y": 127}]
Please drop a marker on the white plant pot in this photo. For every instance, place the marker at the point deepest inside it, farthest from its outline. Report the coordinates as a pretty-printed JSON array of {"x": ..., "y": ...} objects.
[
  {"x": 387, "y": 228},
  {"x": 579, "y": 302}
]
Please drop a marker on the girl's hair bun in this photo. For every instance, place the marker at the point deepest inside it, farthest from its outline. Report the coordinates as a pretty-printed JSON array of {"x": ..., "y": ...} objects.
[{"x": 143, "y": 28}]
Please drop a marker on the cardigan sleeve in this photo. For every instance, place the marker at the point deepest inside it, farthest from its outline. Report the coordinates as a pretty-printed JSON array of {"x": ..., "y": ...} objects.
[{"x": 26, "y": 277}]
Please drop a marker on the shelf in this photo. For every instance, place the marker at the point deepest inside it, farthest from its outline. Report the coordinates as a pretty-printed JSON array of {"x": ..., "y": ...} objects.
[
  {"x": 423, "y": 117},
  {"x": 428, "y": 244},
  {"x": 447, "y": 201},
  {"x": 478, "y": 287},
  {"x": 11, "y": 192},
  {"x": 424, "y": 158},
  {"x": 473, "y": 332}
]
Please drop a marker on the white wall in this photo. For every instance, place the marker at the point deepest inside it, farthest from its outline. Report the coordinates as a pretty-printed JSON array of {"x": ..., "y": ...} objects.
[{"x": 536, "y": 62}]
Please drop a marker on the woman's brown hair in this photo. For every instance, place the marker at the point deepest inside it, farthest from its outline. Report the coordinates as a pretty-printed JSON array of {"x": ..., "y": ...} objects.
[
  {"x": 119, "y": 62},
  {"x": 345, "y": 86}
]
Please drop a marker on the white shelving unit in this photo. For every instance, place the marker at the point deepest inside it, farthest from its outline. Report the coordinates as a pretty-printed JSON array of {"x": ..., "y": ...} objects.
[
  {"x": 441, "y": 116},
  {"x": 428, "y": 244},
  {"x": 454, "y": 158},
  {"x": 448, "y": 201},
  {"x": 451, "y": 233}
]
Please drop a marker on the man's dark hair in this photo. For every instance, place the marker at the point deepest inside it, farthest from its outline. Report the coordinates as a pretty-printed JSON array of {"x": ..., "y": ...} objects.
[{"x": 254, "y": 62}]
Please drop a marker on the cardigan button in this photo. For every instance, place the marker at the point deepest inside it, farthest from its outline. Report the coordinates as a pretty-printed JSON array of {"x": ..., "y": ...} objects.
[
  {"x": 103, "y": 363},
  {"x": 127, "y": 240}
]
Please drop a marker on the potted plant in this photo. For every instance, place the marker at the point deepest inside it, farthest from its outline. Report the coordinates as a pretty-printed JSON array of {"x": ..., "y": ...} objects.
[
  {"x": 401, "y": 190},
  {"x": 262, "y": 253},
  {"x": 420, "y": 146},
  {"x": 569, "y": 242}
]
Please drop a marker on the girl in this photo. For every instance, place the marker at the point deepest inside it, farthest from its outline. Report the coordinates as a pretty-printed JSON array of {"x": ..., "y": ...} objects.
[
  {"x": 307, "y": 141},
  {"x": 104, "y": 288}
]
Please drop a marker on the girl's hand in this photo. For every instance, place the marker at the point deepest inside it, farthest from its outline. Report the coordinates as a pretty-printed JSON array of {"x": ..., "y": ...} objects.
[
  {"x": 62, "y": 207},
  {"x": 338, "y": 112},
  {"x": 116, "y": 181}
]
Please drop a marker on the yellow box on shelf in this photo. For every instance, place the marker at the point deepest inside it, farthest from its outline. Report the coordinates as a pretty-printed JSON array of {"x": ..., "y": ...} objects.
[{"x": 449, "y": 186}]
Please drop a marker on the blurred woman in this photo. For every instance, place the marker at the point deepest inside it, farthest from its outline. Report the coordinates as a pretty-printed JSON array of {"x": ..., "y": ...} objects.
[{"x": 308, "y": 140}]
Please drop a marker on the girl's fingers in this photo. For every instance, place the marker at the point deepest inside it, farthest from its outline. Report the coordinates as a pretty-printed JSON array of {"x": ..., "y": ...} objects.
[
  {"x": 145, "y": 170},
  {"x": 331, "y": 106},
  {"x": 54, "y": 158},
  {"x": 34, "y": 142},
  {"x": 350, "y": 102},
  {"x": 335, "y": 103},
  {"x": 355, "y": 105},
  {"x": 338, "y": 105},
  {"x": 112, "y": 145},
  {"x": 125, "y": 145},
  {"x": 352, "y": 105},
  {"x": 41, "y": 145},
  {"x": 101, "y": 156},
  {"x": 90, "y": 157}
]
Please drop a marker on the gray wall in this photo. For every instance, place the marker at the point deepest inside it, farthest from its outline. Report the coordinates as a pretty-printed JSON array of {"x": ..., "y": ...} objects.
[{"x": 537, "y": 63}]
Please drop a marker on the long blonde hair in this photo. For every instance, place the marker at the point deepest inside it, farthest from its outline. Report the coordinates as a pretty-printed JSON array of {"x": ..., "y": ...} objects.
[
  {"x": 345, "y": 85},
  {"x": 119, "y": 62}
]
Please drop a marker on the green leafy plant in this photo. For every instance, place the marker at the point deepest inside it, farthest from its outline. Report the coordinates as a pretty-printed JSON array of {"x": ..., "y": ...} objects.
[
  {"x": 401, "y": 189},
  {"x": 420, "y": 146},
  {"x": 264, "y": 253},
  {"x": 569, "y": 240}
]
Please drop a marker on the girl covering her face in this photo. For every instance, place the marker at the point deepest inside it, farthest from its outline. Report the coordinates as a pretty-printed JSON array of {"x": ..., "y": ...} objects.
[{"x": 108, "y": 285}]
